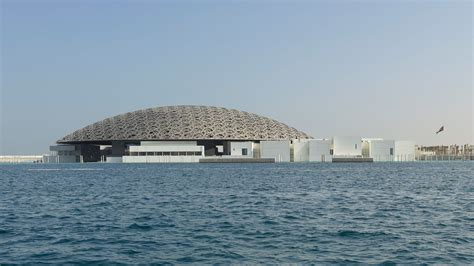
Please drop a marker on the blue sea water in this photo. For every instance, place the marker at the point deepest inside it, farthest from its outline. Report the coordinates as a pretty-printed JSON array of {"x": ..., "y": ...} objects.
[{"x": 380, "y": 213}]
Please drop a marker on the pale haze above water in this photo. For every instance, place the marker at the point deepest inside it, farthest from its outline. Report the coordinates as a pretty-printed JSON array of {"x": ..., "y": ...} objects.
[{"x": 396, "y": 70}]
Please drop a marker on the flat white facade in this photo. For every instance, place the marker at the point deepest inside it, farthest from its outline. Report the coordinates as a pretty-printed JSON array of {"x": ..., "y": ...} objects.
[
  {"x": 300, "y": 150},
  {"x": 320, "y": 150},
  {"x": 404, "y": 151},
  {"x": 378, "y": 149},
  {"x": 241, "y": 149},
  {"x": 350, "y": 146},
  {"x": 279, "y": 150},
  {"x": 114, "y": 159},
  {"x": 165, "y": 152}
]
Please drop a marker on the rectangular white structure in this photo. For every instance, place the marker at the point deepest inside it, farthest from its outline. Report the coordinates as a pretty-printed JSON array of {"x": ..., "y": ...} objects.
[
  {"x": 114, "y": 159},
  {"x": 168, "y": 152},
  {"x": 300, "y": 150},
  {"x": 241, "y": 149},
  {"x": 404, "y": 151},
  {"x": 347, "y": 147},
  {"x": 320, "y": 150},
  {"x": 279, "y": 150},
  {"x": 379, "y": 150}
]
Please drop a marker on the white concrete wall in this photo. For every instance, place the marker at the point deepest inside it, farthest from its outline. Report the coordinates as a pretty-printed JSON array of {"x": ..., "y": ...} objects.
[
  {"x": 237, "y": 146},
  {"x": 167, "y": 148},
  {"x": 300, "y": 150},
  {"x": 320, "y": 150},
  {"x": 114, "y": 159},
  {"x": 256, "y": 150},
  {"x": 404, "y": 151},
  {"x": 350, "y": 146},
  {"x": 171, "y": 146},
  {"x": 365, "y": 148},
  {"x": 161, "y": 159},
  {"x": 279, "y": 150},
  {"x": 379, "y": 150}
]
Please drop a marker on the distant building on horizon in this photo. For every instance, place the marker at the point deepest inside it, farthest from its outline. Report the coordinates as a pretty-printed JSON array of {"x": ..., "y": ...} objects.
[{"x": 445, "y": 152}]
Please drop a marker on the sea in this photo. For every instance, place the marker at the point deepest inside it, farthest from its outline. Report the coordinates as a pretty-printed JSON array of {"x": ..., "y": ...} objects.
[{"x": 301, "y": 213}]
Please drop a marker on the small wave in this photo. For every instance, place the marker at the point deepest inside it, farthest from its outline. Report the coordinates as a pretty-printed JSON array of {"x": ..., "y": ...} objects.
[
  {"x": 140, "y": 227},
  {"x": 290, "y": 217},
  {"x": 44, "y": 254},
  {"x": 387, "y": 263},
  {"x": 45, "y": 169},
  {"x": 70, "y": 169},
  {"x": 143, "y": 218},
  {"x": 357, "y": 234},
  {"x": 85, "y": 169},
  {"x": 187, "y": 259},
  {"x": 130, "y": 252},
  {"x": 63, "y": 241},
  {"x": 270, "y": 222}
]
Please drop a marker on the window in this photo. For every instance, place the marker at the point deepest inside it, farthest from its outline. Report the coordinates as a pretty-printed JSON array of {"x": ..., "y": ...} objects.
[
  {"x": 142, "y": 154},
  {"x": 197, "y": 153},
  {"x": 244, "y": 151},
  {"x": 150, "y": 153},
  {"x": 391, "y": 151},
  {"x": 331, "y": 151},
  {"x": 174, "y": 153},
  {"x": 182, "y": 153},
  {"x": 166, "y": 153},
  {"x": 159, "y": 153},
  {"x": 355, "y": 146},
  {"x": 134, "y": 153}
]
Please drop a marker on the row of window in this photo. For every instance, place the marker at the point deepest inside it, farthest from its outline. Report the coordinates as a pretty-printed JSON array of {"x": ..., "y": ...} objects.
[{"x": 167, "y": 153}]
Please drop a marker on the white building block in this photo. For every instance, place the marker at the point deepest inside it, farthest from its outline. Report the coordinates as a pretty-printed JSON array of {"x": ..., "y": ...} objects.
[
  {"x": 279, "y": 150},
  {"x": 347, "y": 146},
  {"x": 320, "y": 150}
]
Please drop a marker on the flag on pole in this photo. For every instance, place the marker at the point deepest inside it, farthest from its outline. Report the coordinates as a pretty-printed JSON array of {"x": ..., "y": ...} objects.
[{"x": 439, "y": 130}]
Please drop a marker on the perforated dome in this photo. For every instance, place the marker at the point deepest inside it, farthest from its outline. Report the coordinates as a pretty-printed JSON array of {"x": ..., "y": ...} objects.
[{"x": 185, "y": 123}]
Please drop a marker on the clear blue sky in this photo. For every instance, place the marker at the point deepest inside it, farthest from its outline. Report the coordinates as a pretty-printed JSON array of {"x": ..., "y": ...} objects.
[{"x": 396, "y": 70}]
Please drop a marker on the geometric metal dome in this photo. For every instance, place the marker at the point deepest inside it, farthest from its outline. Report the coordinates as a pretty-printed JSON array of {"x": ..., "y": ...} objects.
[{"x": 185, "y": 122}]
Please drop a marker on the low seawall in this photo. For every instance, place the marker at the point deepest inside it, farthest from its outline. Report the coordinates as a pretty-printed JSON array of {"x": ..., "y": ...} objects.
[
  {"x": 236, "y": 160},
  {"x": 352, "y": 160}
]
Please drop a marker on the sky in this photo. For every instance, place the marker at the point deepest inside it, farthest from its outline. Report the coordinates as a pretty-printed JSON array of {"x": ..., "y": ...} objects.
[{"x": 391, "y": 69}]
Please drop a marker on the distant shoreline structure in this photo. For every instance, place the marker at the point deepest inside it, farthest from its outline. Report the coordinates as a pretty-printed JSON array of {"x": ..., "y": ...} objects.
[
  {"x": 21, "y": 158},
  {"x": 422, "y": 153},
  {"x": 445, "y": 152},
  {"x": 193, "y": 134}
]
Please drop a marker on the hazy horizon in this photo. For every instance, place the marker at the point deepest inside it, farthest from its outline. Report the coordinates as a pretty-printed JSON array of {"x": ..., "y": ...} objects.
[{"x": 395, "y": 70}]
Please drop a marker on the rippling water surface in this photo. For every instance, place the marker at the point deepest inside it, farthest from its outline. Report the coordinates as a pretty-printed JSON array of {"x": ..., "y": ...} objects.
[{"x": 237, "y": 213}]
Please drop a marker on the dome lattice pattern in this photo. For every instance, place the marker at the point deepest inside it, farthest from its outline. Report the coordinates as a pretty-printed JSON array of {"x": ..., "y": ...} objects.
[{"x": 185, "y": 123}]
